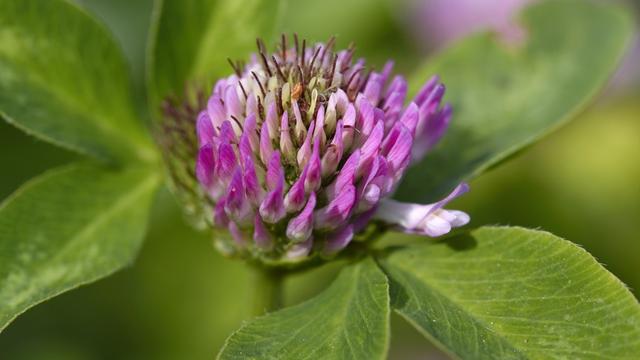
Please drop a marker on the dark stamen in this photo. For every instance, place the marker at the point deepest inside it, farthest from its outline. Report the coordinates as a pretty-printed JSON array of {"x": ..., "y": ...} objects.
[
  {"x": 255, "y": 76},
  {"x": 353, "y": 76},
  {"x": 243, "y": 90},
  {"x": 260, "y": 44},
  {"x": 260, "y": 109},
  {"x": 329, "y": 45},
  {"x": 349, "y": 57},
  {"x": 303, "y": 53},
  {"x": 301, "y": 74},
  {"x": 283, "y": 38},
  {"x": 278, "y": 69},
  {"x": 365, "y": 80},
  {"x": 265, "y": 64},
  {"x": 313, "y": 59},
  {"x": 237, "y": 122},
  {"x": 333, "y": 68},
  {"x": 279, "y": 102},
  {"x": 234, "y": 67},
  {"x": 295, "y": 39}
]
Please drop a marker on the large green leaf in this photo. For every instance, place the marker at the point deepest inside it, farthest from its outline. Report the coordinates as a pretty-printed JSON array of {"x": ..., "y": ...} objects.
[
  {"x": 507, "y": 97},
  {"x": 192, "y": 39},
  {"x": 63, "y": 79},
  {"x": 501, "y": 293},
  {"x": 69, "y": 227},
  {"x": 349, "y": 320}
]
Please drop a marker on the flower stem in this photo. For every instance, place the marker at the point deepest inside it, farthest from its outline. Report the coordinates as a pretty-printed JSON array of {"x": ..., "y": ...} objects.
[{"x": 267, "y": 290}]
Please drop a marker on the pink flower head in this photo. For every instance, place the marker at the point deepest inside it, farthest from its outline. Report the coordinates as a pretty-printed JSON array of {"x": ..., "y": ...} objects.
[{"x": 301, "y": 148}]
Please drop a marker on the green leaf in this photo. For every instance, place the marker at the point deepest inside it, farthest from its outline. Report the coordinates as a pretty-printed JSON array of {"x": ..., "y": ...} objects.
[
  {"x": 505, "y": 97},
  {"x": 69, "y": 227},
  {"x": 63, "y": 79},
  {"x": 192, "y": 39},
  {"x": 349, "y": 320},
  {"x": 501, "y": 293}
]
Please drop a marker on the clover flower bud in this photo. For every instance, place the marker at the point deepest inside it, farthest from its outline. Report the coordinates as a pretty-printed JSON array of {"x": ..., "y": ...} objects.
[{"x": 300, "y": 150}]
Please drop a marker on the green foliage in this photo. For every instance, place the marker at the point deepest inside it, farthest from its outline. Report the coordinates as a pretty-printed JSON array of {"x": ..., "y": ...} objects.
[
  {"x": 192, "y": 39},
  {"x": 492, "y": 293},
  {"x": 63, "y": 79},
  {"x": 349, "y": 320},
  {"x": 507, "y": 97},
  {"x": 514, "y": 293},
  {"x": 69, "y": 227}
]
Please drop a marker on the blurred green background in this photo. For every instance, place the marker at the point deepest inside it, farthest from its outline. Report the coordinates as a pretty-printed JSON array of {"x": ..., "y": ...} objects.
[{"x": 180, "y": 300}]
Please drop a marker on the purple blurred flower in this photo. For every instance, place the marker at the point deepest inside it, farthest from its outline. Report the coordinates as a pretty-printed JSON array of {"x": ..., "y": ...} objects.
[
  {"x": 440, "y": 22},
  {"x": 301, "y": 148}
]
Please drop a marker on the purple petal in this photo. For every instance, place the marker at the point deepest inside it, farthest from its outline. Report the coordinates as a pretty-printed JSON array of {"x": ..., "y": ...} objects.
[
  {"x": 226, "y": 161},
  {"x": 232, "y": 102},
  {"x": 342, "y": 101},
  {"x": 410, "y": 118},
  {"x": 205, "y": 166},
  {"x": 432, "y": 101},
  {"x": 227, "y": 134},
  {"x": 347, "y": 174},
  {"x": 275, "y": 172},
  {"x": 272, "y": 207},
  {"x": 204, "y": 128},
  {"x": 373, "y": 88},
  {"x": 319, "y": 135},
  {"x": 349, "y": 121},
  {"x": 216, "y": 111},
  {"x": 250, "y": 131},
  {"x": 313, "y": 180},
  {"x": 338, "y": 210},
  {"x": 266, "y": 148},
  {"x": 237, "y": 205},
  {"x": 371, "y": 147},
  {"x": 399, "y": 154},
  {"x": 261, "y": 235},
  {"x": 272, "y": 121},
  {"x": 333, "y": 154},
  {"x": 338, "y": 240},
  {"x": 245, "y": 148},
  {"x": 393, "y": 107},
  {"x": 237, "y": 234},
  {"x": 286, "y": 145},
  {"x": 253, "y": 189},
  {"x": 433, "y": 130},
  {"x": 430, "y": 220},
  {"x": 426, "y": 90},
  {"x": 398, "y": 85},
  {"x": 301, "y": 250},
  {"x": 365, "y": 119},
  {"x": 252, "y": 106},
  {"x": 220, "y": 217},
  {"x": 304, "y": 154},
  {"x": 386, "y": 71},
  {"x": 294, "y": 200},
  {"x": 301, "y": 226},
  {"x": 300, "y": 131},
  {"x": 361, "y": 221}
]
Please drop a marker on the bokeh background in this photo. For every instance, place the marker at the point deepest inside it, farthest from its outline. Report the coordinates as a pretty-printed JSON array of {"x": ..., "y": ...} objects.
[{"x": 180, "y": 300}]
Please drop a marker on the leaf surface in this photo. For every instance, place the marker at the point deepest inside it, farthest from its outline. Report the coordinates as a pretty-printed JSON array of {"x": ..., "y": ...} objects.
[
  {"x": 506, "y": 97},
  {"x": 63, "y": 79},
  {"x": 513, "y": 293},
  {"x": 349, "y": 320},
  {"x": 69, "y": 227}
]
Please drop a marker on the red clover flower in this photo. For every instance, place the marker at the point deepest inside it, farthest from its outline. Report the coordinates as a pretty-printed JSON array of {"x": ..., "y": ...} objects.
[{"x": 301, "y": 149}]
